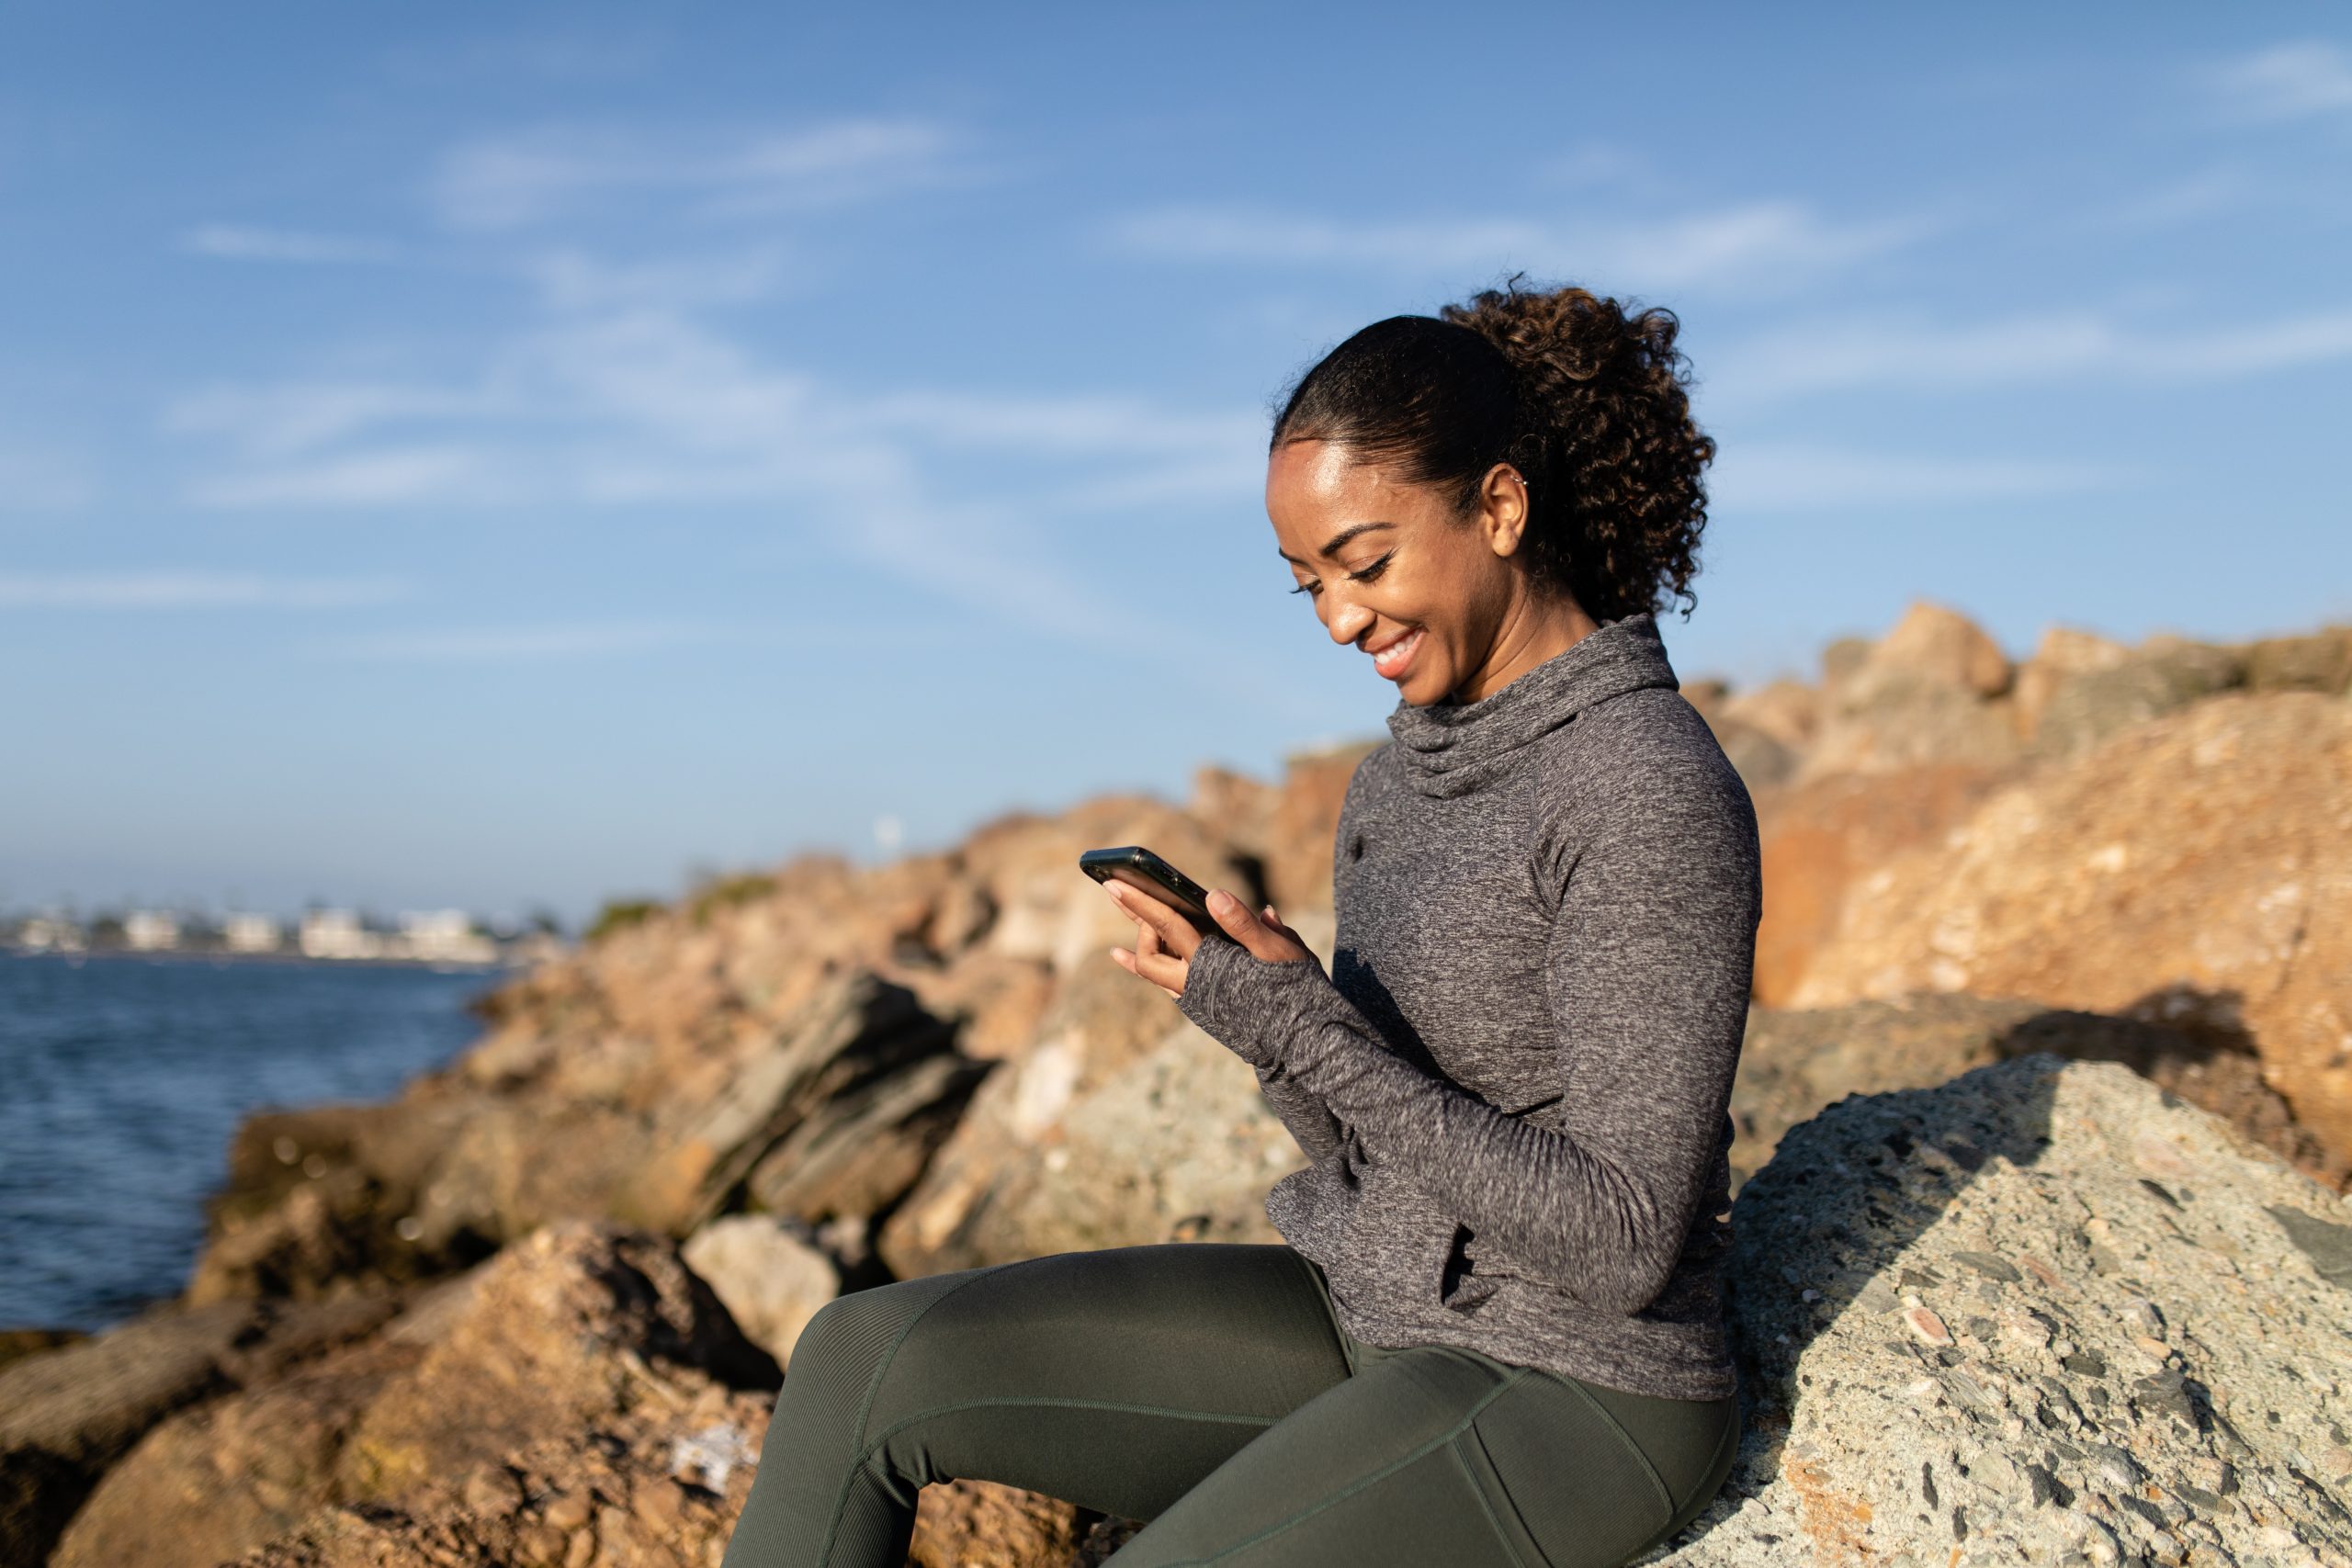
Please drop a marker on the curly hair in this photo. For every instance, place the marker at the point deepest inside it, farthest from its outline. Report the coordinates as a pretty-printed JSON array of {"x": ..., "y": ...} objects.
[{"x": 1588, "y": 402}]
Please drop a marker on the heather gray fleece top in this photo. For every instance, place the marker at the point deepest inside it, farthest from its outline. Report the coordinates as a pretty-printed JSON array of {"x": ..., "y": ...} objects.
[{"x": 1513, "y": 1083}]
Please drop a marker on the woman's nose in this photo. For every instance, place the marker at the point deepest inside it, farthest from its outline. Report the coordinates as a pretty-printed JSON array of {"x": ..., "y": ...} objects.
[{"x": 1347, "y": 622}]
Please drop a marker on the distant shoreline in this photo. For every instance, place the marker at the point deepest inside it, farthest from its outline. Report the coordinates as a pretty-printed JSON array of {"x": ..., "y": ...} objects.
[{"x": 223, "y": 958}]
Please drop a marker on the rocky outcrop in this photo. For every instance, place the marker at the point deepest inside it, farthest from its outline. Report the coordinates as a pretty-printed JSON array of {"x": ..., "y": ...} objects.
[
  {"x": 66, "y": 1414},
  {"x": 2107, "y": 1330},
  {"x": 573, "y": 1329},
  {"x": 2194, "y": 871},
  {"x": 824, "y": 1077}
]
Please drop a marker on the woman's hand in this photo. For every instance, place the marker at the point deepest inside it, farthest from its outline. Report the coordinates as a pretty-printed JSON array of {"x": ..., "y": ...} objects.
[{"x": 1165, "y": 939}]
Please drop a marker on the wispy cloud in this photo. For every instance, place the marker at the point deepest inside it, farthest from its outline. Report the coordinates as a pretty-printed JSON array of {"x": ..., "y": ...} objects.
[
  {"x": 242, "y": 241},
  {"x": 1756, "y": 243},
  {"x": 192, "y": 590},
  {"x": 1766, "y": 477},
  {"x": 531, "y": 178},
  {"x": 571, "y": 639},
  {"x": 1845, "y": 353},
  {"x": 577, "y": 280},
  {"x": 640, "y": 406},
  {"x": 1058, "y": 426},
  {"x": 2290, "y": 81}
]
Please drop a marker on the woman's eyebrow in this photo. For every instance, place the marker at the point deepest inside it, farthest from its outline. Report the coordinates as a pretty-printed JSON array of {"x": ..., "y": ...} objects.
[{"x": 1331, "y": 546}]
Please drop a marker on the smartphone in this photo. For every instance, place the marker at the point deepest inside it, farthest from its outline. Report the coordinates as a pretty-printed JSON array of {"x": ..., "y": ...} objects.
[{"x": 1138, "y": 867}]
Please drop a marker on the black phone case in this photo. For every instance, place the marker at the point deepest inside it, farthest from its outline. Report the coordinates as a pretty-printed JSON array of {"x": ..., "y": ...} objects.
[{"x": 1134, "y": 864}]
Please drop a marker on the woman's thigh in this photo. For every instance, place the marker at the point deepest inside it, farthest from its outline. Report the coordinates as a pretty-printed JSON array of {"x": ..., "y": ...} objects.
[
  {"x": 1114, "y": 1379},
  {"x": 1437, "y": 1455}
]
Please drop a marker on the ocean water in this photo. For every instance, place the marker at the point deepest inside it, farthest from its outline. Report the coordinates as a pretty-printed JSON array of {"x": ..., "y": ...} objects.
[{"x": 122, "y": 1077}]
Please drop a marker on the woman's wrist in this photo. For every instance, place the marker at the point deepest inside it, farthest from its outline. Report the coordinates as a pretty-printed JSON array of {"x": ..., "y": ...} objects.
[{"x": 1229, "y": 993}]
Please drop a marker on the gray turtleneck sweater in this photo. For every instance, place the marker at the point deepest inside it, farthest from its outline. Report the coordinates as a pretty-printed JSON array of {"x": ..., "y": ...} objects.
[{"x": 1513, "y": 1083}]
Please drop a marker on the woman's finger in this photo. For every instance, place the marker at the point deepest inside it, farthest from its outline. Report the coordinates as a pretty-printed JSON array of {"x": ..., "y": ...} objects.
[
  {"x": 1163, "y": 970},
  {"x": 1174, "y": 932},
  {"x": 1245, "y": 928}
]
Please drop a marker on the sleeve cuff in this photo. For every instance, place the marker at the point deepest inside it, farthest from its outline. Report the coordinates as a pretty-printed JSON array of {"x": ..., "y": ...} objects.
[{"x": 1253, "y": 1006}]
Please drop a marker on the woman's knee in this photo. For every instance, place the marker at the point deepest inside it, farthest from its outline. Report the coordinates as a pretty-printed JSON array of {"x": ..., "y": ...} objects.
[{"x": 845, "y": 1353}]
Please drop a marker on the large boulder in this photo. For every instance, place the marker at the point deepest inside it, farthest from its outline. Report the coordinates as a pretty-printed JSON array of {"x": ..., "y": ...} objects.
[
  {"x": 2104, "y": 1328},
  {"x": 574, "y": 1331},
  {"x": 1821, "y": 836},
  {"x": 69, "y": 1413},
  {"x": 2194, "y": 871},
  {"x": 66, "y": 1414},
  {"x": 1935, "y": 688},
  {"x": 551, "y": 1339}
]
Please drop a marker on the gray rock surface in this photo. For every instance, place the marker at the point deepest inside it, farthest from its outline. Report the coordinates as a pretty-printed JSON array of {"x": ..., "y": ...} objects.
[
  {"x": 2044, "y": 1312},
  {"x": 770, "y": 1281}
]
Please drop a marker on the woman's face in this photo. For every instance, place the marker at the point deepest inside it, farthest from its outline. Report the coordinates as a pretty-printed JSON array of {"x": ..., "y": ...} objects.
[{"x": 1391, "y": 570}]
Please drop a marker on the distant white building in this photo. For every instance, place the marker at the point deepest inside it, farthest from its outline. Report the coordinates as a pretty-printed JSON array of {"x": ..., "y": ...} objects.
[
  {"x": 152, "y": 930},
  {"x": 45, "y": 934},
  {"x": 442, "y": 936},
  {"x": 251, "y": 934},
  {"x": 337, "y": 933}
]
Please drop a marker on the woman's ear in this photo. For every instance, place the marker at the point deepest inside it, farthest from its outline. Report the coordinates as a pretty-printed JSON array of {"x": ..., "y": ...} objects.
[{"x": 1503, "y": 508}]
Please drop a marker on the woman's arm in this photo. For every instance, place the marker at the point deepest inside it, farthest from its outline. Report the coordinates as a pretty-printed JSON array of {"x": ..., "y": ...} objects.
[
  {"x": 1310, "y": 1121},
  {"x": 1647, "y": 967}
]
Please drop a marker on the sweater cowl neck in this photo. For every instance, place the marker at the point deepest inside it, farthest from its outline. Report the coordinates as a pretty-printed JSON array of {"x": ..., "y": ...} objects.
[{"x": 1450, "y": 748}]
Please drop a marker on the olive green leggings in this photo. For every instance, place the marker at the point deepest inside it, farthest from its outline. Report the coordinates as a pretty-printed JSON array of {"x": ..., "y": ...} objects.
[{"x": 1208, "y": 1389}]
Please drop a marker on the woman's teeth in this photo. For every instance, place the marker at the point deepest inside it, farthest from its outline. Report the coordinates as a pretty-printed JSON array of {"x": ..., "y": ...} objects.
[{"x": 1391, "y": 661}]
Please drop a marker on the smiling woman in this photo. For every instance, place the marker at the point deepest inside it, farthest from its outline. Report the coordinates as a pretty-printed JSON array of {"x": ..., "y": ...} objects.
[{"x": 1494, "y": 1332}]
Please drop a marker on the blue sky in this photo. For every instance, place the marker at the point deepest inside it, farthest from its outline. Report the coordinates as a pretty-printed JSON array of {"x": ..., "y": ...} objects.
[{"x": 512, "y": 456}]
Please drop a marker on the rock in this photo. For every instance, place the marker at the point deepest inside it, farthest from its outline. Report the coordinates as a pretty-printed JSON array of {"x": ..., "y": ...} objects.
[
  {"x": 217, "y": 1480},
  {"x": 1787, "y": 711},
  {"x": 2319, "y": 662},
  {"x": 566, "y": 1325},
  {"x": 639, "y": 1490},
  {"x": 15, "y": 1344},
  {"x": 2064, "y": 653},
  {"x": 2195, "y": 870},
  {"x": 2039, "y": 1448},
  {"x": 2328, "y": 1245},
  {"x": 574, "y": 1335},
  {"x": 1932, "y": 690},
  {"x": 1179, "y": 1146},
  {"x": 2161, "y": 676},
  {"x": 1934, "y": 645},
  {"x": 978, "y": 1524},
  {"x": 66, "y": 1414},
  {"x": 770, "y": 1281},
  {"x": 1795, "y": 1061},
  {"x": 1821, "y": 836}
]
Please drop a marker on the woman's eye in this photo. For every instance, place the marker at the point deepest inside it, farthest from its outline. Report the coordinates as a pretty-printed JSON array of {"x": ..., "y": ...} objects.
[{"x": 1366, "y": 575}]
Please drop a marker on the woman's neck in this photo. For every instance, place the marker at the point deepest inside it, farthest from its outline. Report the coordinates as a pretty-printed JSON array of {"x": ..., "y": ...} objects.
[{"x": 1535, "y": 632}]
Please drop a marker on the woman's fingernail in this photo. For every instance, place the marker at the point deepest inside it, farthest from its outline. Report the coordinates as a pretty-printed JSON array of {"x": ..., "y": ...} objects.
[
  {"x": 1118, "y": 894},
  {"x": 1221, "y": 902}
]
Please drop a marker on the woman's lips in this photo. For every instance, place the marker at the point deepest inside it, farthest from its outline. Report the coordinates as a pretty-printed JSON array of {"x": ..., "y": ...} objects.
[{"x": 1397, "y": 657}]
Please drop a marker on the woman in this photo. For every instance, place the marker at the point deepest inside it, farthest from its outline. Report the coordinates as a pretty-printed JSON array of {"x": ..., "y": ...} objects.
[{"x": 1495, "y": 1335}]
